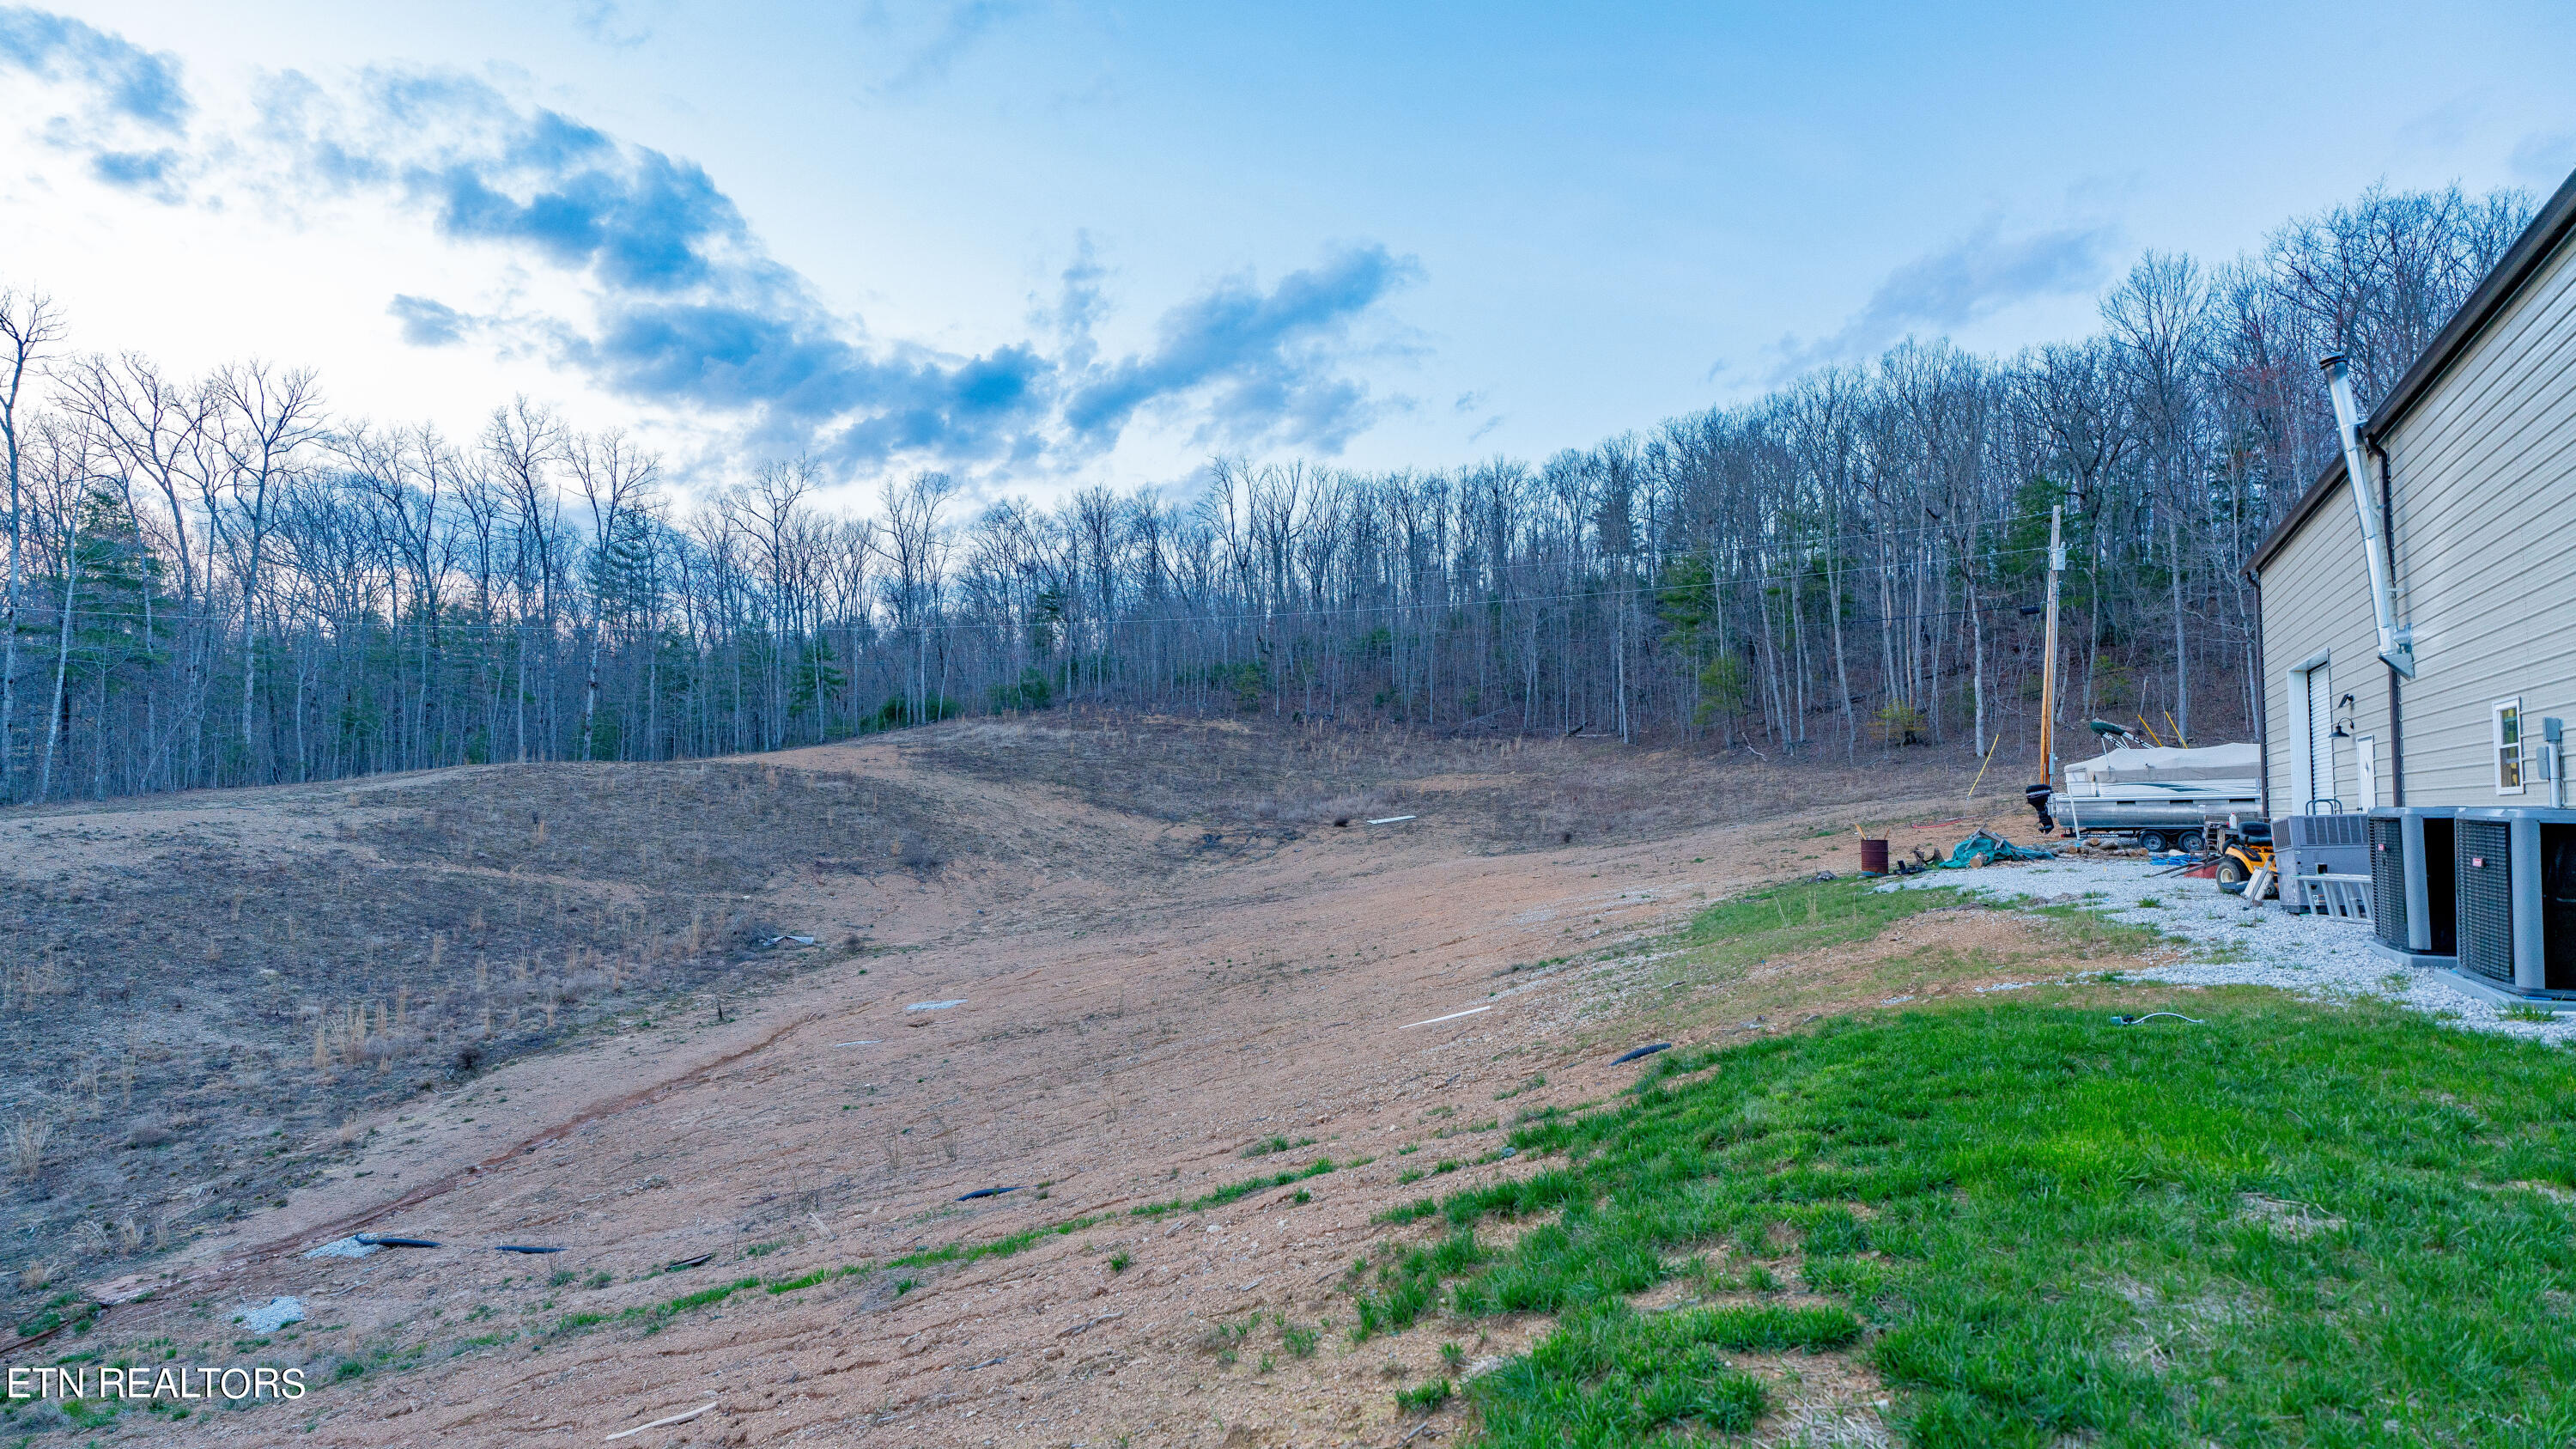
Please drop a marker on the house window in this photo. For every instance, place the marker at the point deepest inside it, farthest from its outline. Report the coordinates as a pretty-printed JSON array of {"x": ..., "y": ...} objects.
[{"x": 2509, "y": 758}]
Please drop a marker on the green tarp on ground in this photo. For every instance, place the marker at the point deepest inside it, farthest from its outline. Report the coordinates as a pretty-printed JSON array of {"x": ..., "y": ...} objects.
[{"x": 1984, "y": 849}]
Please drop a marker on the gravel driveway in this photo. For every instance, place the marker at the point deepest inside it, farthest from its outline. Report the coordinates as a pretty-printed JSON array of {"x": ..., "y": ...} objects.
[{"x": 2233, "y": 944}]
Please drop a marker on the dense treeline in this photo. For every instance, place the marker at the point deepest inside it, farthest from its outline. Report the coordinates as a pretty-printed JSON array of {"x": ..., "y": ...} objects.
[{"x": 216, "y": 581}]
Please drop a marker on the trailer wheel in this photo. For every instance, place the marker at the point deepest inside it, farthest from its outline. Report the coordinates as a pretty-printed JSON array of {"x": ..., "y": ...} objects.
[
  {"x": 2189, "y": 840},
  {"x": 2156, "y": 841}
]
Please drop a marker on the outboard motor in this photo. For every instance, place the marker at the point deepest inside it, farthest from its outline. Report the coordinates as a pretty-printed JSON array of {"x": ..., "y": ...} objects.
[{"x": 2038, "y": 796}]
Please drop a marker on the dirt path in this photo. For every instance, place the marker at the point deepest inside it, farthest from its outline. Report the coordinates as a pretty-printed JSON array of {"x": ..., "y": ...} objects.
[{"x": 1126, "y": 1027}]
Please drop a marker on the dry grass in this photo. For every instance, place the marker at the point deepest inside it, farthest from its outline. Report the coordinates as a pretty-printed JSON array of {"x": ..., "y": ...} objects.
[
  {"x": 394, "y": 937},
  {"x": 28, "y": 1137},
  {"x": 1506, "y": 792},
  {"x": 418, "y": 930}
]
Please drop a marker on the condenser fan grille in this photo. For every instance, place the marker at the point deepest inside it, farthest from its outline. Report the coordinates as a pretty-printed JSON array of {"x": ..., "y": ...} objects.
[
  {"x": 2486, "y": 898},
  {"x": 2388, "y": 879}
]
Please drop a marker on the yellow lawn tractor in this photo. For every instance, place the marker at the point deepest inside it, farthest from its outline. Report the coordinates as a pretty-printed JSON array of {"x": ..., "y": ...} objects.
[{"x": 2245, "y": 852}]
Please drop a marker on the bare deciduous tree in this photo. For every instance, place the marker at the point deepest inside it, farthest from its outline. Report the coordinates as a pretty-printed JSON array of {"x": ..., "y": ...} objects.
[
  {"x": 30, "y": 326},
  {"x": 1840, "y": 565},
  {"x": 265, "y": 420}
]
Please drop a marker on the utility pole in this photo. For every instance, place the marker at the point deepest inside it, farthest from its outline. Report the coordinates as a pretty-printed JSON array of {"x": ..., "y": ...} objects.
[{"x": 2048, "y": 652}]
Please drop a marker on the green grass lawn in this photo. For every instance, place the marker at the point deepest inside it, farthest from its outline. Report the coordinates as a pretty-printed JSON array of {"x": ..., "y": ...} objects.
[
  {"x": 1805, "y": 916},
  {"x": 1780, "y": 953},
  {"x": 2296, "y": 1225}
]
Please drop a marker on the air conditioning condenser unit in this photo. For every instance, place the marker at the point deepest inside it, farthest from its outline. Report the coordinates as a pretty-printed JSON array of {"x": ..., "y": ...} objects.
[
  {"x": 2414, "y": 885},
  {"x": 2517, "y": 902},
  {"x": 2324, "y": 844}
]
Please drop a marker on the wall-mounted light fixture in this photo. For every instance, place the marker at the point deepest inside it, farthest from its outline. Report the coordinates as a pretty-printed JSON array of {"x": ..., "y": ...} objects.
[{"x": 2343, "y": 720}]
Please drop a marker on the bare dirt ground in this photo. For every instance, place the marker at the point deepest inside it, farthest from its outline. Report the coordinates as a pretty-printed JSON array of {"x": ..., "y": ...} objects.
[{"x": 1155, "y": 952}]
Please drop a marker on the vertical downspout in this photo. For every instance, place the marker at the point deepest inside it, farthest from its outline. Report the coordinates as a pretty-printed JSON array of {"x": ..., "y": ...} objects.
[
  {"x": 2396, "y": 716},
  {"x": 2262, "y": 699}
]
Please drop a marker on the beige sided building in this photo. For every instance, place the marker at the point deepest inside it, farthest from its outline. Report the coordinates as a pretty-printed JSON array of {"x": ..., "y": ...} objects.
[{"x": 2476, "y": 454}]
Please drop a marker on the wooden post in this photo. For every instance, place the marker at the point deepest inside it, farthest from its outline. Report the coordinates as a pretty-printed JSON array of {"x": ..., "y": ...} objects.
[{"x": 2048, "y": 650}]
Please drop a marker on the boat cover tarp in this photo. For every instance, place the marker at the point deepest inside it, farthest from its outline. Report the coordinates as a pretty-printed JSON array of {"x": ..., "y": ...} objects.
[{"x": 2208, "y": 764}]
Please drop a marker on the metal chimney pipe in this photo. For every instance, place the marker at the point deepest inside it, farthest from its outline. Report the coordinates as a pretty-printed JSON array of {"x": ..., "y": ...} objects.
[{"x": 2396, "y": 643}]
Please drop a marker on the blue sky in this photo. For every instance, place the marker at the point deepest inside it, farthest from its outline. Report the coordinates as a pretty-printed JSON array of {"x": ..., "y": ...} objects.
[{"x": 1045, "y": 245}]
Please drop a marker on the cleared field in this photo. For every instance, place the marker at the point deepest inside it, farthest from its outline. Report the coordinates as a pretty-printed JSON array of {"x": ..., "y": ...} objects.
[{"x": 1216, "y": 1056}]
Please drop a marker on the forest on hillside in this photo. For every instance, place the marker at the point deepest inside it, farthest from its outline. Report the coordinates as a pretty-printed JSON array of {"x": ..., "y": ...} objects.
[{"x": 217, "y": 580}]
